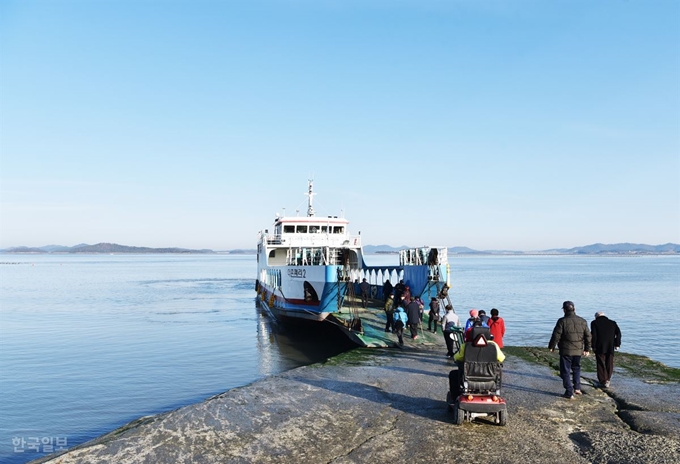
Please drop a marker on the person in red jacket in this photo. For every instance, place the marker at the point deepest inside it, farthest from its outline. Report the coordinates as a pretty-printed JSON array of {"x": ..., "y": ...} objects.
[{"x": 497, "y": 327}]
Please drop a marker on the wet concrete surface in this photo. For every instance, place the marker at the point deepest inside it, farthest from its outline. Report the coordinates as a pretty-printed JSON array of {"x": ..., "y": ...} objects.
[{"x": 388, "y": 406}]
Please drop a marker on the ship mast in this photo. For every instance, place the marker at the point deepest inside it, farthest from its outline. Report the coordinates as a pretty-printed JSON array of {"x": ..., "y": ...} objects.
[{"x": 310, "y": 194}]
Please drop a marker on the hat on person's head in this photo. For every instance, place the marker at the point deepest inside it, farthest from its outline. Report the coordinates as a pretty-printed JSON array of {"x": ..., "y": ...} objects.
[
  {"x": 482, "y": 312},
  {"x": 568, "y": 306},
  {"x": 598, "y": 314},
  {"x": 494, "y": 312},
  {"x": 474, "y": 313}
]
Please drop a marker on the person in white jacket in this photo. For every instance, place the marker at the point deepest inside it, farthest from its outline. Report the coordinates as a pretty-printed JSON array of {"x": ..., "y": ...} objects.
[{"x": 449, "y": 321}]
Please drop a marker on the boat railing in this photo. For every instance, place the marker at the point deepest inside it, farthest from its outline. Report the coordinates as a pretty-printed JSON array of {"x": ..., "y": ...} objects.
[
  {"x": 313, "y": 239},
  {"x": 423, "y": 256}
]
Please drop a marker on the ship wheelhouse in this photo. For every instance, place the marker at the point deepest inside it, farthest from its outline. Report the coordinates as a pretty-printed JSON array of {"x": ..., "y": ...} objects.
[{"x": 311, "y": 241}]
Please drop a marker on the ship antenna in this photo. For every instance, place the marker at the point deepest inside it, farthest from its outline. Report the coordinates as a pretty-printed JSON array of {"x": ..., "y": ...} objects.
[{"x": 310, "y": 195}]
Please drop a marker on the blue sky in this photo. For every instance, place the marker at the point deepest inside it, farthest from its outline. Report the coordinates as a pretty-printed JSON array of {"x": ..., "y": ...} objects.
[{"x": 521, "y": 125}]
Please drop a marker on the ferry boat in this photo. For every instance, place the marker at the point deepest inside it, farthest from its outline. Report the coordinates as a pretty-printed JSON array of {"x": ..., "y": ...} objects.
[{"x": 309, "y": 266}]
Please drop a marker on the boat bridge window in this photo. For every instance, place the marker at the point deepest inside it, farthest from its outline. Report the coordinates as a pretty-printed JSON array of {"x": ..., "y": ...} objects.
[
  {"x": 301, "y": 230},
  {"x": 313, "y": 229},
  {"x": 324, "y": 229},
  {"x": 338, "y": 230},
  {"x": 288, "y": 229}
]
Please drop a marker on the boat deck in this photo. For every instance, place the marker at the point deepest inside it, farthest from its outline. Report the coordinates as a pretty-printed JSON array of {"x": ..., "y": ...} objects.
[{"x": 373, "y": 320}]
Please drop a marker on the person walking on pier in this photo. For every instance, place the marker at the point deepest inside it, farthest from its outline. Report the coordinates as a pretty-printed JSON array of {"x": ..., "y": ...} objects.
[
  {"x": 399, "y": 292},
  {"x": 387, "y": 290},
  {"x": 449, "y": 322},
  {"x": 400, "y": 321},
  {"x": 389, "y": 313},
  {"x": 606, "y": 340},
  {"x": 497, "y": 327},
  {"x": 474, "y": 315},
  {"x": 421, "y": 308},
  {"x": 407, "y": 294},
  {"x": 413, "y": 313},
  {"x": 365, "y": 291},
  {"x": 573, "y": 338},
  {"x": 433, "y": 314}
]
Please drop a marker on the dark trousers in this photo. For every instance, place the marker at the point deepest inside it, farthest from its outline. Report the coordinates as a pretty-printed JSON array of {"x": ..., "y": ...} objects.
[
  {"x": 414, "y": 329},
  {"x": 454, "y": 381},
  {"x": 605, "y": 366},
  {"x": 390, "y": 322},
  {"x": 364, "y": 299},
  {"x": 430, "y": 321},
  {"x": 399, "y": 329},
  {"x": 570, "y": 369},
  {"x": 449, "y": 342}
]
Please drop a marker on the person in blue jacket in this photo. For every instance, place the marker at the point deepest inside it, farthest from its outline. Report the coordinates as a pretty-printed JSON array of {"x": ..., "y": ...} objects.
[{"x": 400, "y": 321}]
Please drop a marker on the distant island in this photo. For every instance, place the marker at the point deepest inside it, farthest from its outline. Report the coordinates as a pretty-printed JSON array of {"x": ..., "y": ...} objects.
[
  {"x": 599, "y": 249},
  {"x": 628, "y": 249},
  {"x": 106, "y": 248}
]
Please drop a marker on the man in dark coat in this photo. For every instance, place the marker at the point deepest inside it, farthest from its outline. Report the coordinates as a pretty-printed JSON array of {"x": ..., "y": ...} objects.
[
  {"x": 606, "y": 340},
  {"x": 399, "y": 292},
  {"x": 387, "y": 290},
  {"x": 365, "y": 288},
  {"x": 413, "y": 313},
  {"x": 573, "y": 338}
]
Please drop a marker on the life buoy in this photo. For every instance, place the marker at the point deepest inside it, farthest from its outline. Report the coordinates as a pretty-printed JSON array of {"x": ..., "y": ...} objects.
[{"x": 374, "y": 291}]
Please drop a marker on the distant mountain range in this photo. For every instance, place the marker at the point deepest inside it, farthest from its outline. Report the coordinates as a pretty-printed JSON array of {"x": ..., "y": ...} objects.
[
  {"x": 627, "y": 249},
  {"x": 99, "y": 248},
  {"x": 595, "y": 249}
]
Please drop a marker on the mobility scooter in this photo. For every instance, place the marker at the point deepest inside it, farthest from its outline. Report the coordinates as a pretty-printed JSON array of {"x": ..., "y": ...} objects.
[{"x": 475, "y": 384}]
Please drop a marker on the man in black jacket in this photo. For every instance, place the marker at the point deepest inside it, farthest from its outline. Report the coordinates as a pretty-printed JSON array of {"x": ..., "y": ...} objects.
[
  {"x": 606, "y": 340},
  {"x": 572, "y": 336},
  {"x": 387, "y": 290},
  {"x": 413, "y": 313}
]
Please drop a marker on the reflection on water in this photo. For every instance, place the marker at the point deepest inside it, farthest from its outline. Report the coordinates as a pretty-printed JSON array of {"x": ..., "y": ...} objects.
[
  {"x": 89, "y": 343},
  {"x": 283, "y": 347}
]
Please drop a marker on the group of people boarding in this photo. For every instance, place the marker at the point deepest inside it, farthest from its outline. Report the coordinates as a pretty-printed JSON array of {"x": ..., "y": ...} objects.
[
  {"x": 402, "y": 310},
  {"x": 571, "y": 334},
  {"x": 451, "y": 323}
]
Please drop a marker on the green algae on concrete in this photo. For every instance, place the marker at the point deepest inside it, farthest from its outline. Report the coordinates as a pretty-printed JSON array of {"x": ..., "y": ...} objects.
[
  {"x": 642, "y": 367},
  {"x": 358, "y": 357}
]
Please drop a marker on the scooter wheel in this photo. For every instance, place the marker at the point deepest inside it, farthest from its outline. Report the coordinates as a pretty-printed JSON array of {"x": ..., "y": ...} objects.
[
  {"x": 458, "y": 415},
  {"x": 502, "y": 417}
]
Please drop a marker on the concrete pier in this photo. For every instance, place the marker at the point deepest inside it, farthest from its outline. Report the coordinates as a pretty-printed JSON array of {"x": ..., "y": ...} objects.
[{"x": 388, "y": 406}]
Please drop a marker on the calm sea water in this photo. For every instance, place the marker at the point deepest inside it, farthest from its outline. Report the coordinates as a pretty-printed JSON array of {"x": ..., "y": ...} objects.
[{"x": 89, "y": 343}]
